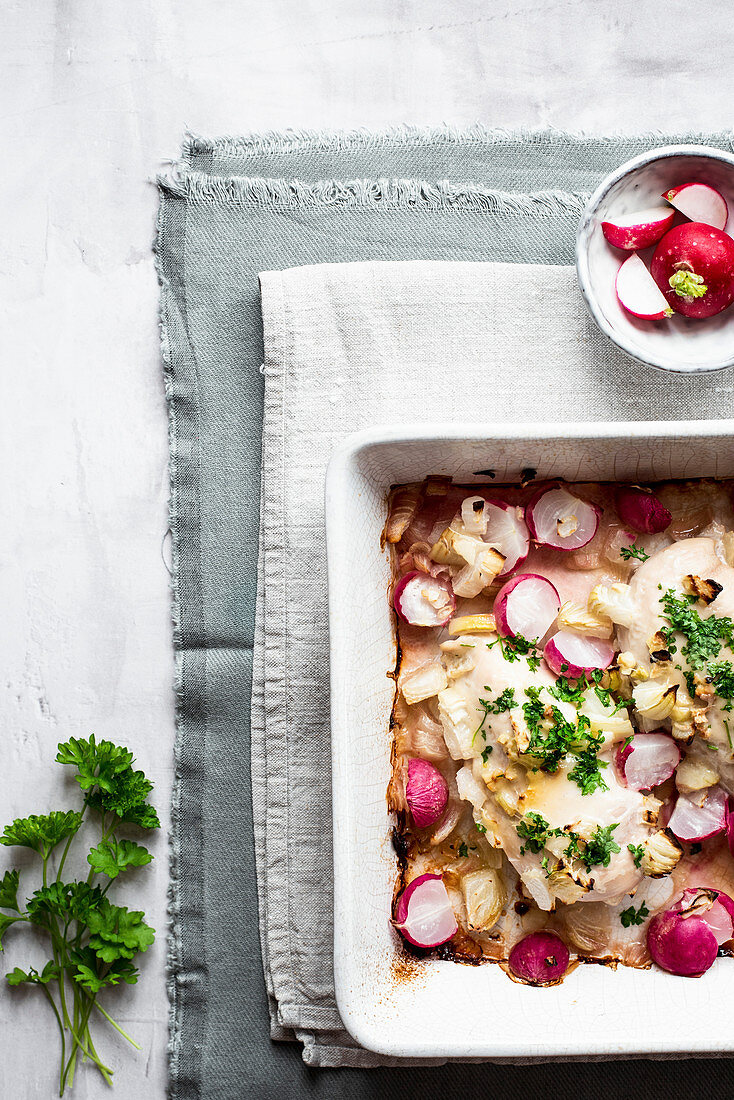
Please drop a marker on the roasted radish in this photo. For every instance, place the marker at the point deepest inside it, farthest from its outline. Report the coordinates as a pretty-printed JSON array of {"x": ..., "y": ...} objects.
[
  {"x": 539, "y": 959},
  {"x": 423, "y": 914},
  {"x": 694, "y": 268},
  {"x": 423, "y": 600},
  {"x": 574, "y": 655},
  {"x": 648, "y": 760},
  {"x": 682, "y": 944},
  {"x": 426, "y": 793},
  {"x": 694, "y": 823},
  {"x": 528, "y": 605},
  {"x": 557, "y": 518},
  {"x": 700, "y": 203},
  {"x": 641, "y": 510},
  {"x": 638, "y": 292},
  {"x": 640, "y": 230}
]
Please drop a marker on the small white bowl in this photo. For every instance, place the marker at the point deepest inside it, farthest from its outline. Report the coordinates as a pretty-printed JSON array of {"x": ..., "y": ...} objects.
[{"x": 677, "y": 343}]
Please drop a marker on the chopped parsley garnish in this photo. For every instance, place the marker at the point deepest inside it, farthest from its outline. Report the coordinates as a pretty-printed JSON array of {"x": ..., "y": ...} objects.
[
  {"x": 499, "y": 705},
  {"x": 595, "y": 852},
  {"x": 633, "y": 551},
  {"x": 632, "y": 916},
  {"x": 638, "y": 852},
  {"x": 722, "y": 677},
  {"x": 480, "y": 828},
  {"x": 463, "y": 850},
  {"x": 486, "y": 754},
  {"x": 728, "y": 734},
  {"x": 552, "y": 738},
  {"x": 535, "y": 831},
  {"x": 516, "y": 647},
  {"x": 704, "y": 637}
]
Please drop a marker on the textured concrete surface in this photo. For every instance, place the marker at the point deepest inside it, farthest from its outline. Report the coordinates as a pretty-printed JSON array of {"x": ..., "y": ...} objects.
[{"x": 93, "y": 98}]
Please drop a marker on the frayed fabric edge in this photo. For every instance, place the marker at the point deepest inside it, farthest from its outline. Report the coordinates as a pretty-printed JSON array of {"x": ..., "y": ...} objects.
[
  {"x": 199, "y": 187},
  {"x": 298, "y": 140}
]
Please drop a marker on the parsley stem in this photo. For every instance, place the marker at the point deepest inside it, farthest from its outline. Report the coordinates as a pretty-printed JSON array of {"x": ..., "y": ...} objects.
[
  {"x": 115, "y": 1025},
  {"x": 61, "y": 1033},
  {"x": 68, "y": 845}
]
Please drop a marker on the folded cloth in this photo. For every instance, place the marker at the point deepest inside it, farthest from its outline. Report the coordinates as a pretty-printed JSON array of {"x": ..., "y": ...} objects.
[
  {"x": 352, "y": 346},
  {"x": 216, "y": 231}
]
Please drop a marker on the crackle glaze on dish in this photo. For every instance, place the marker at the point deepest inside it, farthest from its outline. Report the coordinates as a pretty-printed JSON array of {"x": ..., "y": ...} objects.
[
  {"x": 677, "y": 343},
  {"x": 436, "y": 1008}
]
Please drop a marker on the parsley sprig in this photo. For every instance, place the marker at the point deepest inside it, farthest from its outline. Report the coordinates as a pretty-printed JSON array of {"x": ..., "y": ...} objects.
[
  {"x": 633, "y": 551},
  {"x": 93, "y": 941},
  {"x": 631, "y": 916}
]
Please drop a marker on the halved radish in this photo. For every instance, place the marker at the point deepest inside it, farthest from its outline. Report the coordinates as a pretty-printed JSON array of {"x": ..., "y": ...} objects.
[
  {"x": 557, "y": 518},
  {"x": 648, "y": 759},
  {"x": 632, "y": 231},
  {"x": 699, "y": 203},
  {"x": 638, "y": 292},
  {"x": 573, "y": 655},
  {"x": 711, "y": 905},
  {"x": 528, "y": 605},
  {"x": 423, "y": 914},
  {"x": 423, "y": 600},
  {"x": 693, "y": 823}
]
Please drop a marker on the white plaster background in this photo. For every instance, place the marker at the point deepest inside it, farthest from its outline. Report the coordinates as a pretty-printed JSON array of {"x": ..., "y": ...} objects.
[{"x": 94, "y": 97}]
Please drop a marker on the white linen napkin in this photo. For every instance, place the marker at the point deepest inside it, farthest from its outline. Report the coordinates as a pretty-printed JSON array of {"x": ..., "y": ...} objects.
[{"x": 350, "y": 346}]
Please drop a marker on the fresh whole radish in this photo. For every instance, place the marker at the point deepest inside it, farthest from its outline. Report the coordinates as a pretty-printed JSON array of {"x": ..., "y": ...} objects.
[
  {"x": 700, "y": 203},
  {"x": 574, "y": 655},
  {"x": 640, "y": 230},
  {"x": 557, "y": 518},
  {"x": 638, "y": 293},
  {"x": 423, "y": 914},
  {"x": 648, "y": 760},
  {"x": 539, "y": 959},
  {"x": 641, "y": 510},
  {"x": 426, "y": 792},
  {"x": 423, "y": 600},
  {"x": 528, "y": 605},
  {"x": 693, "y": 266}
]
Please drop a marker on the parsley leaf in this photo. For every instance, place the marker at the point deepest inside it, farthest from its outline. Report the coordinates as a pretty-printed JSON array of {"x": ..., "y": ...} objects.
[
  {"x": 117, "y": 932},
  {"x": 722, "y": 677},
  {"x": 125, "y": 798},
  {"x": 9, "y": 890},
  {"x": 597, "y": 851},
  {"x": 463, "y": 850},
  {"x": 632, "y": 916},
  {"x": 5, "y": 923},
  {"x": 113, "y": 856},
  {"x": 704, "y": 637},
  {"x": 96, "y": 763},
  {"x": 536, "y": 832},
  {"x": 637, "y": 851},
  {"x": 633, "y": 551},
  {"x": 42, "y": 832}
]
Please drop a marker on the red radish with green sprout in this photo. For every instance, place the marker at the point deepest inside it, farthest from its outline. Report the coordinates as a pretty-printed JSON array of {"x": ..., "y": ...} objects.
[{"x": 694, "y": 268}]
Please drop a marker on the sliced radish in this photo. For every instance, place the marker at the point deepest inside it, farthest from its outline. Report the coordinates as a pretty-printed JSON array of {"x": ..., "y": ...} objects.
[
  {"x": 638, "y": 292},
  {"x": 423, "y": 914},
  {"x": 528, "y": 605},
  {"x": 426, "y": 792},
  {"x": 641, "y": 510},
  {"x": 573, "y": 655},
  {"x": 699, "y": 203},
  {"x": 557, "y": 518},
  {"x": 632, "y": 231},
  {"x": 507, "y": 532},
  {"x": 713, "y": 906},
  {"x": 693, "y": 823},
  {"x": 539, "y": 959},
  {"x": 649, "y": 759},
  {"x": 423, "y": 600}
]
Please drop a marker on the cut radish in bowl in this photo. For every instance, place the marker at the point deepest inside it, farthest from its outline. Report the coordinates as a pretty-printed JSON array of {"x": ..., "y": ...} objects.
[
  {"x": 507, "y": 532},
  {"x": 539, "y": 959},
  {"x": 694, "y": 823},
  {"x": 423, "y": 600},
  {"x": 640, "y": 230},
  {"x": 693, "y": 266},
  {"x": 700, "y": 203},
  {"x": 528, "y": 605},
  {"x": 641, "y": 510},
  {"x": 649, "y": 759},
  {"x": 559, "y": 519},
  {"x": 639, "y": 293},
  {"x": 426, "y": 792},
  {"x": 424, "y": 914},
  {"x": 573, "y": 655}
]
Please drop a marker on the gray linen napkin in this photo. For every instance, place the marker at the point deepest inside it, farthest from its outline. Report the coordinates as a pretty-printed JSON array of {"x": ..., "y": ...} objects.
[{"x": 349, "y": 346}]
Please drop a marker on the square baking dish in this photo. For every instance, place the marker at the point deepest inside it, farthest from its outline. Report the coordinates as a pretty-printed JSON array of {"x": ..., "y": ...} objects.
[{"x": 434, "y": 1008}]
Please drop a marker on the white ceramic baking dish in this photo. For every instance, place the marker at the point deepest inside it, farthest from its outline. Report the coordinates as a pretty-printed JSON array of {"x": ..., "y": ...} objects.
[{"x": 443, "y": 1009}]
